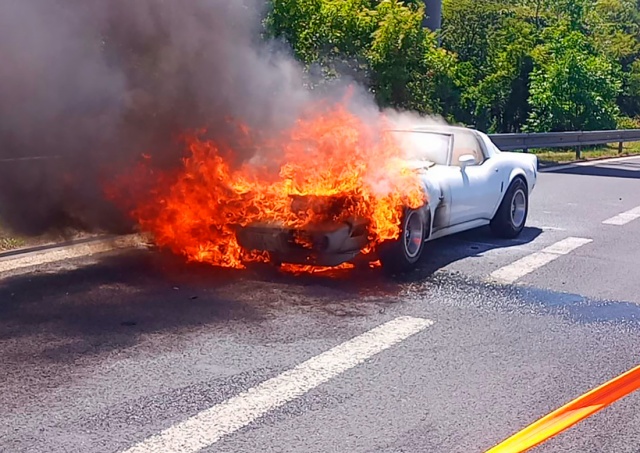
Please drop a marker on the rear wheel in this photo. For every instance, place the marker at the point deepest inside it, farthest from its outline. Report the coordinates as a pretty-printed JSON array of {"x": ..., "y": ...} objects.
[
  {"x": 512, "y": 213},
  {"x": 402, "y": 254}
]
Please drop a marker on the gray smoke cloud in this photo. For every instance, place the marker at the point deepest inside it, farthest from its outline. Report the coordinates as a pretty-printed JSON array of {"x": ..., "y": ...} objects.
[{"x": 91, "y": 84}]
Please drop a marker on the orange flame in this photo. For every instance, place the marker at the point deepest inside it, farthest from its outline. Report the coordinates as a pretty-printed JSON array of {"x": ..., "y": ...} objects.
[{"x": 328, "y": 154}]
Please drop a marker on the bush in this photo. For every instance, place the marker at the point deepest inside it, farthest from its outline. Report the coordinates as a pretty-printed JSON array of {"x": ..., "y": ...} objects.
[
  {"x": 502, "y": 66},
  {"x": 380, "y": 43},
  {"x": 624, "y": 122},
  {"x": 571, "y": 87}
]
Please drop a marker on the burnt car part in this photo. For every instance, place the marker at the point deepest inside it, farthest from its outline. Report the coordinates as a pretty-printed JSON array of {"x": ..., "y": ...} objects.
[{"x": 323, "y": 244}]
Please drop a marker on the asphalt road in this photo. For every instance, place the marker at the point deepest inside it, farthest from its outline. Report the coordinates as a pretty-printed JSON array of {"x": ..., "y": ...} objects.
[{"x": 101, "y": 353}]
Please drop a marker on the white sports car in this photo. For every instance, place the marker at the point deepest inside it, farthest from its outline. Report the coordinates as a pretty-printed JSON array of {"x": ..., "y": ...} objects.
[{"x": 470, "y": 183}]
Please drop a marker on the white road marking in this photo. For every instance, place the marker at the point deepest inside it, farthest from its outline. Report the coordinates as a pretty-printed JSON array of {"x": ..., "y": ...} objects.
[
  {"x": 210, "y": 425},
  {"x": 588, "y": 163},
  {"x": 624, "y": 217},
  {"x": 14, "y": 262},
  {"x": 528, "y": 264}
]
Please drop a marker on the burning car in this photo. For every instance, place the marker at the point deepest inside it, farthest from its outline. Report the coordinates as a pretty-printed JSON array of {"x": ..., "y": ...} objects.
[
  {"x": 467, "y": 182},
  {"x": 332, "y": 189}
]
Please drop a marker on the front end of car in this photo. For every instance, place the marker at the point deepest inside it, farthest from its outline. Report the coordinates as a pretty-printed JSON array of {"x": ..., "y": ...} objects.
[
  {"x": 324, "y": 244},
  {"x": 327, "y": 238}
]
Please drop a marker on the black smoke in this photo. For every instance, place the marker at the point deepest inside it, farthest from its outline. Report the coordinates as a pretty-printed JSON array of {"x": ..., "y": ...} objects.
[{"x": 89, "y": 85}]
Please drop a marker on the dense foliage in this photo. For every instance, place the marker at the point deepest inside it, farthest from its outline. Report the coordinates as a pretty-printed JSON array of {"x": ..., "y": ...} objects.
[{"x": 499, "y": 65}]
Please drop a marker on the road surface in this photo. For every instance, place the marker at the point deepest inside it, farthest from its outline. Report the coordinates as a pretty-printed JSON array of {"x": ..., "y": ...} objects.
[{"x": 102, "y": 353}]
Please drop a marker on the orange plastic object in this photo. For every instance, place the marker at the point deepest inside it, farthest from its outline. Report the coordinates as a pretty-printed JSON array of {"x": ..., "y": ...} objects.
[{"x": 571, "y": 413}]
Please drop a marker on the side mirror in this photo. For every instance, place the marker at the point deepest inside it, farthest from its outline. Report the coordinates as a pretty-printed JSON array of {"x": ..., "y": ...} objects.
[{"x": 466, "y": 159}]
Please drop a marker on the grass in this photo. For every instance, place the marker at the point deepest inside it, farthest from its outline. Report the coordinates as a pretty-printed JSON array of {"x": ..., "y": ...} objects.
[
  {"x": 561, "y": 156},
  {"x": 9, "y": 241},
  {"x": 12, "y": 241}
]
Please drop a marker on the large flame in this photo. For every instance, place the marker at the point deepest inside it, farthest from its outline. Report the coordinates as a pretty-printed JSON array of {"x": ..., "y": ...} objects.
[{"x": 330, "y": 154}]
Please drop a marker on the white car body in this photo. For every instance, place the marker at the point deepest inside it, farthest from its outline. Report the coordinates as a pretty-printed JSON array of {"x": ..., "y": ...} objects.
[{"x": 464, "y": 197}]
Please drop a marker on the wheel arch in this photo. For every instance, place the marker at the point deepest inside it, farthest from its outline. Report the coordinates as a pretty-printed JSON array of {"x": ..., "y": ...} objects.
[
  {"x": 502, "y": 223},
  {"x": 393, "y": 253},
  {"x": 516, "y": 173},
  {"x": 430, "y": 215}
]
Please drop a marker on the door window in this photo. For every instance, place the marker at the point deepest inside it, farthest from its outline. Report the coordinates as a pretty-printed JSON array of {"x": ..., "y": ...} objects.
[{"x": 466, "y": 143}]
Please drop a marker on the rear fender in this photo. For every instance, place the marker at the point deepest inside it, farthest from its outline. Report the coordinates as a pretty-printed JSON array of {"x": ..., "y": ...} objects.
[{"x": 515, "y": 173}]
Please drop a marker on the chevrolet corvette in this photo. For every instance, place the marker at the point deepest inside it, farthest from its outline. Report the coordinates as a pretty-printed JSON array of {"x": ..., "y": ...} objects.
[{"x": 469, "y": 183}]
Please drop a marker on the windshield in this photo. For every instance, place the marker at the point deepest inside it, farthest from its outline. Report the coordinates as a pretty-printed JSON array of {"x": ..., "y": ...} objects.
[{"x": 426, "y": 146}]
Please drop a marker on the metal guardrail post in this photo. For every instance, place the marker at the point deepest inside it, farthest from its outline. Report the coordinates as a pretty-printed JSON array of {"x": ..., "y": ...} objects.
[{"x": 620, "y": 147}]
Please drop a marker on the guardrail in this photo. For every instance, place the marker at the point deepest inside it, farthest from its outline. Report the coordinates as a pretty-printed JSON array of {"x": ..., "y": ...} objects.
[
  {"x": 522, "y": 141},
  {"x": 578, "y": 139}
]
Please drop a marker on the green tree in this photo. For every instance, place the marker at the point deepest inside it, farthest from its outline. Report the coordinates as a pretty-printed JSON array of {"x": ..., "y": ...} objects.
[
  {"x": 614, "y": 28},
  {"x": 408, "y": 69},
  {"x": 590, "y": 46},
  {"x": 396, "y": 53},
  {"x": 571, "y": 87},
  {"x": 503, "y": 66},
  {"x": 381, "y": 43},
  {"x": 493, "y": 39},
  {"x": 331, "y": 34},
  {"x": 467, "y": 30},
  {"x": 499, "y": 99}
]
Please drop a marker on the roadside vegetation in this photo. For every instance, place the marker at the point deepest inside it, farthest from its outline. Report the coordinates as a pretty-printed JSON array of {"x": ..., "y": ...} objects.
[
  {"x": 501, "y": 65},
  {"x": 9, "y": 241},
  {"x": 559, "y": 156}
]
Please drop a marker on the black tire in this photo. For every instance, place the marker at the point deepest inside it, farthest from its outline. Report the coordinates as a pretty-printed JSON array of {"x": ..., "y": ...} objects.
[
  {"x": 402, "y": 254},
  {"x": 511, "y": 216}
]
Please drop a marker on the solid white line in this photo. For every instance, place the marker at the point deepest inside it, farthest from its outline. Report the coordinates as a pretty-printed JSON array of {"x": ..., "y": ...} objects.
[
  {"x": 588, "y": 163},
  {"x": 12, "y": 263},
  {"x": 624, "y": 218},
  {"x": 528, "y": 264},
  {"x": 210, "y": 425}
]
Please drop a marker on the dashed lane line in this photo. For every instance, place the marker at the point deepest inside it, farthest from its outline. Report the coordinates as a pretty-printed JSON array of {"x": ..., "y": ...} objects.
[
  {"x": 624, "y": 217},
  {"x": 210, "y": 425},
  {"x": 529, "y": 263}
]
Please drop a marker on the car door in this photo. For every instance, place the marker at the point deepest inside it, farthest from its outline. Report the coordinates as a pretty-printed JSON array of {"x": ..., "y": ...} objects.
[{"x": 475, "y": 188}]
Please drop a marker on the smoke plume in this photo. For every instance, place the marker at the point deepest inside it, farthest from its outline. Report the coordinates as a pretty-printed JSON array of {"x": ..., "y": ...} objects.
[{"x": 89, "y": 85}]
